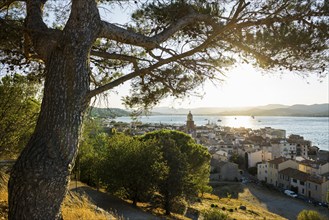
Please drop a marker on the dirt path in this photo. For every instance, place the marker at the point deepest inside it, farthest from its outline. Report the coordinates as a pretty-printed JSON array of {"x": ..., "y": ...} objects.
[{"x": 112, "y": 204}]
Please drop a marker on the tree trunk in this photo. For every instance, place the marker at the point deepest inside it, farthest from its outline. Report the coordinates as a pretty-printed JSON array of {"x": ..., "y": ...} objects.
[
  {"x": 40, "y": 177},
  {"x": 167, "y": 203}
]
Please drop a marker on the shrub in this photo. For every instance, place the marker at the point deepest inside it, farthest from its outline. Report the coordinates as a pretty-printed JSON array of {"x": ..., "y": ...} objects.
[
  {"x": 215, "y": 214},
  {"x": 242, "y": 207},
  {"x": 79, "y": 207},
  {"x": 309, "y": 215},
  {"x": 179, "y": 206}
]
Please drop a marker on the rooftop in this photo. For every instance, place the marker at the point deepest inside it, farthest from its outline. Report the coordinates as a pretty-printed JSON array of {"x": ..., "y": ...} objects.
[
  {"x": 278, "y": 160},
  {"x": 296, "y": 174}
]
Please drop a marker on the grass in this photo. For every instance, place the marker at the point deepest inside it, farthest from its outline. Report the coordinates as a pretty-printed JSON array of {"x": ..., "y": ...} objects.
[
  {"x": 224, "y": 203},
  {"x": 75, "y": 206}
]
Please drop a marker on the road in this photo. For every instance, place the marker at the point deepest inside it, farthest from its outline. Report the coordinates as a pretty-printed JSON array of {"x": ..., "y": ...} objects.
[{"x": 281, "y": 204}]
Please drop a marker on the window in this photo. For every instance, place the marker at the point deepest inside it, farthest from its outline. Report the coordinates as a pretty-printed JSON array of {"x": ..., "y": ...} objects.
[
  {"x": 302, "y": 191},
  {"x": 294, "y": 180},
  {"x": 301, "y": 183},
  {"x": 316, "y": 187}
]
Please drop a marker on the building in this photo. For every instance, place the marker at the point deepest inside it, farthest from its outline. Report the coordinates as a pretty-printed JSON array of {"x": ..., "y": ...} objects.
[
  {"x": 282, "y": 148},
  {"x": 311, "y": 186},
  {"x": 301, "y": 145},
  {"x": 258, "y": 156},
  {"x": 313, "y": 167},
  {"x": 226, "y": 171},
  {"x": 190, "y": 126},
  {"x": 269, "y": 171}
]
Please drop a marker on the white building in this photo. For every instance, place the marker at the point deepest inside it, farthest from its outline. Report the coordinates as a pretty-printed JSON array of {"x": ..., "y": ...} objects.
[
  {"x": 283, "y": 149},
  {"x": 258, "y": 156}
]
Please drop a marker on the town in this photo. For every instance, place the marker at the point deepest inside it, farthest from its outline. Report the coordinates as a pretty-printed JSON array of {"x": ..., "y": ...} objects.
[{"x": 289, "y": 164}]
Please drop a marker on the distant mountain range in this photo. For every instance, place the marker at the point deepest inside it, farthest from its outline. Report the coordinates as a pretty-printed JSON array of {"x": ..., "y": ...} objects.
[{"x": 316, "y": 110}]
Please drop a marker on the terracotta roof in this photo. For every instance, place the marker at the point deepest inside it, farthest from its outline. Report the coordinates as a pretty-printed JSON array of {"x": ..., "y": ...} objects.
[
  {"x": 296, "y": 174},
  {"x": 314, "y": 163},
  {"x": 317, "y": 179},
  {"x": 278, "y": 160}
]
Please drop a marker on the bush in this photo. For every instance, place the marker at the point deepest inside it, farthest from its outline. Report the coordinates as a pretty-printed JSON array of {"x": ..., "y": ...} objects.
[
  {"x": 309, "y": 215},
  {"x": 252, "y": 171},
  {"x": 215, "y": 214},
  {"x": 242, "y": 207},
  {"x": 179, "y": 206}
]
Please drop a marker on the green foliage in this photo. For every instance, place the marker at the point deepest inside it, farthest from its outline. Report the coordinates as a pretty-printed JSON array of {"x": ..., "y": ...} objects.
[
  {"x": 238, "y": 159},
  {"x": 91, "y": 153},
  {"x": 309, "y": 215},
  {"x": 107, "y": 112},
  {"x": 270, "y": 34},
  {"x": 215, "y": 214},
  {"x": 252, "y": 170},
  {"x": 188, "y": 165},
  {"x": 132, "y": 166},
  {"x": 19, "y": 109},
  {"x": 179, "y": 206}
]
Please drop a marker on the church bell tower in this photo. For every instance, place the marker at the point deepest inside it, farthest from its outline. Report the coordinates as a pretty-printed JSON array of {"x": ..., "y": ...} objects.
[{"x": 190, "y": 127}]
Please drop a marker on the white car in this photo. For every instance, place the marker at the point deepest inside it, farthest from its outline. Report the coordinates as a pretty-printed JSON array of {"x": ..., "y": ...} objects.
[{"x": 290, "y": 193}]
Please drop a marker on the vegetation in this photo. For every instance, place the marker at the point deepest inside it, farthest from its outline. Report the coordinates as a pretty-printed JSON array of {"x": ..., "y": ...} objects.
[
  {"x": 309, "y": 215},
  {"x": 107, "y": 112},
  {"x": 92, "y": 152},
  {"x": 188, "y": 164},
  {"x": 252, "y": 171},
  {"x": 19, "y": 108},
  {"x": 133, "y": 167},
  {"x": 169, "y": 48},
  {"x": 167, "y": 162},
  {"x": 75, "y": 206},
  {"x": 238, "y": 159},
  {"x": 215, "y": 214}
]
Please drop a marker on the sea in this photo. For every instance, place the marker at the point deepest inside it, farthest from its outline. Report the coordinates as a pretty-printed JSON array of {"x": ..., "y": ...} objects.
[{"x": 314, "y": 129}]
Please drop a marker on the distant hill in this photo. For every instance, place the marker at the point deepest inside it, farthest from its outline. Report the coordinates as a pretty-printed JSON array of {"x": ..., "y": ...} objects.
[
  {"x": 316, "y": 110},
  {"x": 108, "y": 112}
]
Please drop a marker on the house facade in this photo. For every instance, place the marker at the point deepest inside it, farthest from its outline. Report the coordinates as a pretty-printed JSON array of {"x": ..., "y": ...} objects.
[
  {"x": 309, "y": 185},
  {"x": 269, "y": 171}
]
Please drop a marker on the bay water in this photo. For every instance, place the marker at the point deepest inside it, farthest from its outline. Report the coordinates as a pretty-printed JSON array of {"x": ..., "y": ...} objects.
[{"x": 314, "y": 129}]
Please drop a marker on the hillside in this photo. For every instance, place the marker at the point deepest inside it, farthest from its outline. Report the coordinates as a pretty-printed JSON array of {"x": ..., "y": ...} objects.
[
  {"x": 108, "y": 112},
  {"x": 316, "y": 110}
]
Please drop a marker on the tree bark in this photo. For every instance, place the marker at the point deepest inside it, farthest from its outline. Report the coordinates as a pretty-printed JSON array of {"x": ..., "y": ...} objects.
[{"x": 40, "y": 177}]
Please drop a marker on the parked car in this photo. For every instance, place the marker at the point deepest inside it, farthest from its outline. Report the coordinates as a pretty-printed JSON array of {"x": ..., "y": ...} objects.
[
  {"x": 290, "y": 193},
  {"x": 323, "y": 204}
]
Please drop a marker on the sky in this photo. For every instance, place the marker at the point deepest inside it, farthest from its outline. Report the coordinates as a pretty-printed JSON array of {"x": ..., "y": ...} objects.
[
  {"x": 245, "y": 86},
  {"x": 242, "y": 86}
]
